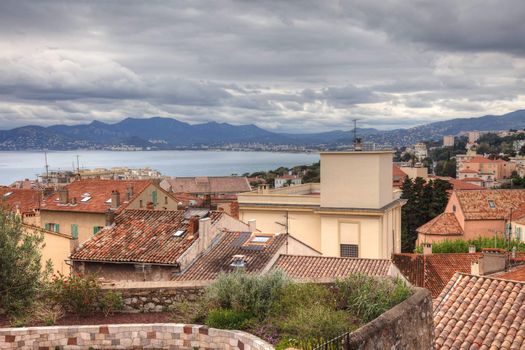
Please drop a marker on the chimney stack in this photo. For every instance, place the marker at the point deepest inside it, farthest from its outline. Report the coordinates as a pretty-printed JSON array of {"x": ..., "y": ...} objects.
[
  {"x": 427, "y": 248},
  {"x": 115, "y": 199},
  {"x": 253, "y": 225},
  {"x": 63, "y": 196},
  {"x": 262, "y": 189},
  {"x": 110, "y": 217},
  {"x": 193, "y": 225},
  {"x": 129, "y": 192},
  {"x": 471, "y": 249},
  {"x": 205, "y": 236},
  {"x": 149, "y": 206}
]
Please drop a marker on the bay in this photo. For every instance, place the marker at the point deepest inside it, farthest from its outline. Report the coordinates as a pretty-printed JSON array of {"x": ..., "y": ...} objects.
[{"x": 17, "y": 165}]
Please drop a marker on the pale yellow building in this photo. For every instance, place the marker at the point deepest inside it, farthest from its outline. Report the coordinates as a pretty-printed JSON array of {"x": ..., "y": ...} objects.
[
  {"x": 56, "y": 248},
  {"x": 352, "y": 212}
]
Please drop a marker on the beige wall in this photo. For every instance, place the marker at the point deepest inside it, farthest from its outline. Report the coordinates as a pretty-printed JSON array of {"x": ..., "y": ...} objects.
[
  {"x": 56, "y": 248},
  {"x": 164, "y": 200},
  {"x": 483, "y": 228},
  {"x": 85, "y": 222},
  {"x": 356, "y": 179},
  {"x": 415, "y": 172},
  {"x": 304, "y": 225}
]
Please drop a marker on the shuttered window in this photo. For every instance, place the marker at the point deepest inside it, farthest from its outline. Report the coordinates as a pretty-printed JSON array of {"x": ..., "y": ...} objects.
[{"x": 74, "y": 231}]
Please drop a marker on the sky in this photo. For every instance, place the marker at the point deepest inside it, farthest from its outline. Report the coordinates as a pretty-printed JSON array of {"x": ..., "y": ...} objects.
[{"x": 290, "y": 66}]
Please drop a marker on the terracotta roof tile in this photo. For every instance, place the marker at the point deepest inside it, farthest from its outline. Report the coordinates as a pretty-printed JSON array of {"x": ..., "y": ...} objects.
[
  {"x": 484, "y": 160},
  {"x": 477, "y": 312},
  {"x": 218, "y": 258},
  {"x": 462, "y": 185},
  {"x": 515, "y": 274},
  {"x": 433, "y": 271},
  {"x": 25, "y": 200},
  {"x": 445, "y": 224},
  {"x": 314, "y": 267},
  {"x": 209, "y": 184},
  {"x": 475, "y": 204},
  {"x": 99, "y": 191},
  {"x": 141, "y": 236}
]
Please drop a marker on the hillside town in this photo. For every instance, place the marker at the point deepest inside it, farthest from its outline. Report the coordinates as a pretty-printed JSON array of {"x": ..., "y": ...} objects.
[{"x": 457, "y": 238}]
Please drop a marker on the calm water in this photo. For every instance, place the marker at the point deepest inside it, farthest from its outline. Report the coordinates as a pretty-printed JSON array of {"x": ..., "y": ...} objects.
[{"x": 20, "y": 165}]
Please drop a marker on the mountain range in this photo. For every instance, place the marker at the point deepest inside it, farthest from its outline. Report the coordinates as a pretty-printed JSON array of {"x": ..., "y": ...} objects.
[{"x": 169, "y": 133}]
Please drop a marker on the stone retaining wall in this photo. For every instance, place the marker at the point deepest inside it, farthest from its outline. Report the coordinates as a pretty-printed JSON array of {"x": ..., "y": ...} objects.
[
  {"x": 131, "y": 336},
  {"x": 409, "y": 326}
]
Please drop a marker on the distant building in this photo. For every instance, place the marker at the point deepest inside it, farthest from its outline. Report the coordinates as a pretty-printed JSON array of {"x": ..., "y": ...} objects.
[
  {"x": 448, "y": 141},
  {"x": 23, "y": 202},
  {"x": 415, "y": 171},
  {"x": 286, "y": 180},
  {"x": 420, "y": 151},
  {"x": 485, "y": 172},
  {"x": 473, "y": 136},
  {"x": 84, "y": 207},
  {"x": 351, "y": 213},
  {"x": 206, "y": 185}
]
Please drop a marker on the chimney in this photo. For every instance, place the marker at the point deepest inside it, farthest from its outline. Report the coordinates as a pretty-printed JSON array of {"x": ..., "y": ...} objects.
[
  {"x": 253, "y": 225},
  {"x": 471, "y": 249},
  {"x": 205, "y": 235},
  {"x": 63, "y": 196},
  {"x": 427, "y": 248},
  {"x": 358, "y": 144},
  {"x": 149, "y": 206},
  {"x": 110, "y": 217},
  {"x": 193, "y": 225},
  {"x": 492, "y": 261},
  {"x": 238, "y": 262},
  {"x": 115, "y": 199},
  {"x": 262, "y": 189},
  {"x": 129, "y": 192}
]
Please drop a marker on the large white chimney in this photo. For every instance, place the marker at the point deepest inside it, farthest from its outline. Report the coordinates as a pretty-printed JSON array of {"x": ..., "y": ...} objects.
[
  {"x": 253, "y": 225},
  {"x": 205, "y": 235}
]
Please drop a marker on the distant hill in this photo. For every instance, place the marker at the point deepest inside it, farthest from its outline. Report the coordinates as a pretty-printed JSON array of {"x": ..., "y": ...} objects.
[{"x": 169, "y": 133}]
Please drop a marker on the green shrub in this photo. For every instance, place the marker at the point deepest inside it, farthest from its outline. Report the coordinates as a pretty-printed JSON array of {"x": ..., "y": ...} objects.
[
  {"x": 228, "y": 319},
  {"x": 312, "y": 324},
  {"x": 75, "y": 293},
  {"x": 248, "y": 293},
  {"x": 369, "y": 297},
  {"x": 296, "y": 295},
  {"x": 110, "y": 302},
  {"x": 461, "y": 246},
  {"x": 189, "y": 311}
]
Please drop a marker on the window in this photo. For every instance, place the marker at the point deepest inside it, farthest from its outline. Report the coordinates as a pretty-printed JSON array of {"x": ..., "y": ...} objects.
[
  {"x": 492, "y": 205},
  {"x": 454, "y": 208},
  {"x": 165, "y": 199},
  {"x": 154, "y": 198},
  {"x": 52, "y": 227},
  {"x": 350, "y": 250},
  {"x": 96, "y": 229},
  {"x": 85, "y": 199},
  {"x": 141, "y": 205},
  {"x": 178, "y": 233},
  {"x": 74, "y": 231},
  {"x": 518, "y": 233},
  {"x": 260, "y": 239}
]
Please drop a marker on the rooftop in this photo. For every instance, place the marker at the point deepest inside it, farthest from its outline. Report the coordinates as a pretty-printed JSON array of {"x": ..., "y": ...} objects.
[
  {"x": 207, "y": 184},
  {"x": 94, "y": 195},
  {"x": 445, "y": 224},
  {"x": 141, "y": 236},
  {"x": 23, "y": 200},
  {"x": 477, "y": 312},
  {"x": 484, "y": 160},
  {"x": 490, "y": 204},
  {"x": 319, "y": 267},
  {"x": 234, "y": 245}
]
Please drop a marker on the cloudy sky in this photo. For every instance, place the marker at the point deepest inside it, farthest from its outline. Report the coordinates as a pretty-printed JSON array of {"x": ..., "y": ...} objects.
[{"x": 282, "y": 65}]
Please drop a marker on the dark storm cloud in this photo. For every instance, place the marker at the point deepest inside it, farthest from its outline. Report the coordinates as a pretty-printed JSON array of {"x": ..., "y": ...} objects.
[{"x": 284, "y": 65}]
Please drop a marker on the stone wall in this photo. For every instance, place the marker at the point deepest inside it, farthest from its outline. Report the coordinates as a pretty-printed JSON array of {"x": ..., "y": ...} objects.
[
  {"x": 156, "y": 296},
  {"x": 408, "y": 325},
  {"x": 131, "y": 336}
]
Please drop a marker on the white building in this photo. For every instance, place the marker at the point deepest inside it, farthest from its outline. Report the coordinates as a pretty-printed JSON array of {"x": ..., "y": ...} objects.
[{"x": 284, "y": 180}]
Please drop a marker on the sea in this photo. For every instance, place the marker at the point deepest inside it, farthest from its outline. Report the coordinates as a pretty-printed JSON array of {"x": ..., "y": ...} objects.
[{"x": 18, "y": 165}]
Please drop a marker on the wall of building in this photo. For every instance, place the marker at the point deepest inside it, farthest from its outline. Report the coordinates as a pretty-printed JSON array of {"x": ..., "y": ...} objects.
[
  {"x": 164, "y": 200},
  {"x": 408, "y": 326},
  {"x": 483, "y": 228},
  {"x": 127, "y": 272},
  {"x": 356, "y": 179},
  {"x": 56, "y": 248},
  {"x": 128, "y": 336},
  {"x": 85, "y": 222}
]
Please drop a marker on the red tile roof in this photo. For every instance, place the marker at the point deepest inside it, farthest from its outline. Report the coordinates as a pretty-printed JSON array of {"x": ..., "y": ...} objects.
[
  {"x": 141, "y": 236},
  {"x": 457, "y": 184},
  {"x": 515, "y": 274},
  {"x": 398, "y": 176},
  {"x": 23, "y": 200},
  {"x": 468, "y": 171},
  {"x": 209, "y": 184},
  {"x": 319, "y": 267},
  {"x": 475, "y": 204},
  {"x": 476, "y": 312},
  {"x": 445, "y": 224},
  {"x": 484, "y": 160},
  {"x": 472, "y": 179},
  {"x": 219, "y": 257},
  {"x": 100, "y": 193},
  {"x": 289, "y": 177},
  {"x": 433, "y": 271}
]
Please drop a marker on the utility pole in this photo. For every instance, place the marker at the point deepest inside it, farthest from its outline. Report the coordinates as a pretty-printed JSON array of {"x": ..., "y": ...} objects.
[
  {"x": 47, "y": 168},
  {"x": 78, "y": 165}
]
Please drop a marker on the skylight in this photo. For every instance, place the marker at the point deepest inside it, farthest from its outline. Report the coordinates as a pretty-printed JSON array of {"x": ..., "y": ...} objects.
[
  {"x": 87, "y": 194},
  {"x": 178, "y": 233},
  {"x": 492, "y": 205},
  {"x": 7, "y": 194},
  {"x": 108, "y": 201},
  {"x": 260, "y": 239},
  {"x": 85, "y": 199}
]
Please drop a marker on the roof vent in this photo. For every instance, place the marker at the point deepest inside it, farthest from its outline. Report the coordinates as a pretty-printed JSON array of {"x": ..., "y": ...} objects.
[
  {"x": 238, "y": 261},
  {"x": 178, "y": 233}
]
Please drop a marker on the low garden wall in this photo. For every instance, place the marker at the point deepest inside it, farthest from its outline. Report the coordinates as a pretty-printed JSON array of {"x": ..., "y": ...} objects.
[
  {"x": 130, "y": 336},
  {"x": 409, "y": 325}
]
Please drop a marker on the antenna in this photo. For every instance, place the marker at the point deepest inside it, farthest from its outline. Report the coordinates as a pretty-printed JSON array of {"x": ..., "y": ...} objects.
[
  {"x": 47, "y": 168},
  {"x": 78, "y": 165},
  {"x": 357, "y": 141}
]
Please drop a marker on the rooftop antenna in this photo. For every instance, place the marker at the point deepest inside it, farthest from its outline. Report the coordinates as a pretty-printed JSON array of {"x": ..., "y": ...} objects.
[
  {"x": 357, "y": 141},
  {"x": 47, "y": 168},
  {"x": 78, "y": 165}
]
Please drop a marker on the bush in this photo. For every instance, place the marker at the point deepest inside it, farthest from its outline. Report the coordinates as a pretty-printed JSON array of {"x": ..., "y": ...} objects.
[
  {"x": 110, "y": 302},
  {"x": 247, "y": 293},
  {"x": 296, "y": 295},
  {"x": 313, "y": 324},
  {"x": 228, "y": 319},
  {"x": 188, "y": 311},
  {"x": 461, "y": 246},
  {"x": 47, "y": 314},
  {"x": 369, "y": 297},
  {"x": 75, "y": 293}
]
